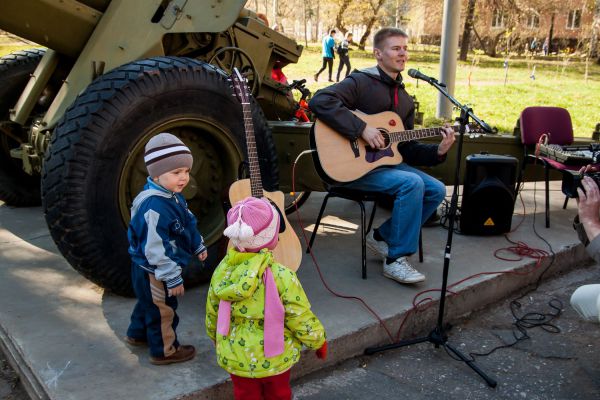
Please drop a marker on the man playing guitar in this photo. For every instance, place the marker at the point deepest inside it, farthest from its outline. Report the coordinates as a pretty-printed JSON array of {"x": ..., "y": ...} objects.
[{"x": 416, "y": 194}]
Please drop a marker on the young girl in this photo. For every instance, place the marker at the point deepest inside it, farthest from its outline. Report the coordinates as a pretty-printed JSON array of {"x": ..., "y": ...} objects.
[{"x": 257, "y": 312}]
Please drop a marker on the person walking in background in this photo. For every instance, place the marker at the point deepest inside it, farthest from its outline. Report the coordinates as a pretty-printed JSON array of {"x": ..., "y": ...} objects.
[
  {"x": 257, "y": 313},
  {"x": 533, "y": 46},
  {"x": 546, "y": 46},
  {"x": 328, "y": 54},
  {"x": 343, "y": 52}
]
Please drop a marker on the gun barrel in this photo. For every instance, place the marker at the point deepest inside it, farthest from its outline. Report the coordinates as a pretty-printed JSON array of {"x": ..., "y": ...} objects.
[{"x": 64, "y": 26}]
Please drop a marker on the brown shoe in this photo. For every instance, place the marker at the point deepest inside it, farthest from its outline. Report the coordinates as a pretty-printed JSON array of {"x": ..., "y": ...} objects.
[
  {"x": 183, "y": 353},
  {"x": 135, "y": 342}
]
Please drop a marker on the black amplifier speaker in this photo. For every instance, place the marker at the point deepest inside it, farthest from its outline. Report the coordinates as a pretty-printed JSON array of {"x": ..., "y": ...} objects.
[{"x": 488, "y": 194}]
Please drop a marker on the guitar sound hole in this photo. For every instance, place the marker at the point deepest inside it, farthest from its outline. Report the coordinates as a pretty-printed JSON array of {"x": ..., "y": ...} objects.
[
  {"x": 386, "y": 137},
  {"x": 387, "y": 142},
  {"x": 373, "y": 155}
]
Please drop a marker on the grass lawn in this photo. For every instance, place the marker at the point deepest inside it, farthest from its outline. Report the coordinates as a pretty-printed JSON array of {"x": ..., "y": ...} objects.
[{"x": 557, "y": 83}]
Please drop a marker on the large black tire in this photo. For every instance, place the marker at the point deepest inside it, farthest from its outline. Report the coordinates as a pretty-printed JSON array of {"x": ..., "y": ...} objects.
[
  {"x": 94, "y": 166},
  {"x": 17, "y": 188}
]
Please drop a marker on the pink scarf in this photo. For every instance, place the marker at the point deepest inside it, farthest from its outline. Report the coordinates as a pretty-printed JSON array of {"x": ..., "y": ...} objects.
[{"x": 274, "y": 317}]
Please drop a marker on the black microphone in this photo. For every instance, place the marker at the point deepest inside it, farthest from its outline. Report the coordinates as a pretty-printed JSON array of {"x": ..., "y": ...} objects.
[{"x": 413, "y": 73}]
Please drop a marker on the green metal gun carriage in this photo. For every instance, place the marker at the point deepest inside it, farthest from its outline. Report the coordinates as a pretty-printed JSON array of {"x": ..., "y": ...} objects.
[{"x": 75, "y": 116}]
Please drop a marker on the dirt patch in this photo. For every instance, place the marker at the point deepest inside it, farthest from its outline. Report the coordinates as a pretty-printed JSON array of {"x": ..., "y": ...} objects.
[{"x": 11, "y": 387}]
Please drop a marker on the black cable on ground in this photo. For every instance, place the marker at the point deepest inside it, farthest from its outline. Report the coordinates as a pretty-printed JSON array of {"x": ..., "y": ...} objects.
[{"x": 522, "y": 323}]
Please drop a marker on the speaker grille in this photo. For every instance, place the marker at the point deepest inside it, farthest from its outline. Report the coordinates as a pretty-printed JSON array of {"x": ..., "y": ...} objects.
[{"x": 488, "y": 194}]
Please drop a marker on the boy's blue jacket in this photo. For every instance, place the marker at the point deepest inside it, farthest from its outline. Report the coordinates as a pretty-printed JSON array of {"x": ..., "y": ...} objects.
[{"x": 162, "y": 233}]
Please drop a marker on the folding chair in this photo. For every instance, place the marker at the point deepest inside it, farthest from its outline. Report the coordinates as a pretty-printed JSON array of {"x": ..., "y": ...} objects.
[
  {"x": 359, "y": 197},
  {"x": 555, "y": 122}
]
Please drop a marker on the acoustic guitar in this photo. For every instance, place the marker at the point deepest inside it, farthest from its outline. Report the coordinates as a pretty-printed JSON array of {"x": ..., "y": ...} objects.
[
  {"x": 288, "y": 251},
  {"x": 345, "y": 160}
]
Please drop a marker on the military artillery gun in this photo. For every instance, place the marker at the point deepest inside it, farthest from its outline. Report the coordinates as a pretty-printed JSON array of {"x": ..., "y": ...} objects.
[{"x": 77, "y": 114}]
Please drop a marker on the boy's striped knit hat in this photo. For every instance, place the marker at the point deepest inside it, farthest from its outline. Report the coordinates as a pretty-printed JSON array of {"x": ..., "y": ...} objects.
[{"x": 164, "y": 153}]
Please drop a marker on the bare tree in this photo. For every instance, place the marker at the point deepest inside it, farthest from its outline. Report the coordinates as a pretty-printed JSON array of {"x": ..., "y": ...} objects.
[
  {"x": 317, "y": 35},
  {"x": 466, "y": 36},
  {"x": 306, "y": 16},
  {"x": 553, "y": 8},
  {"x": 375, "y": 6},
  {"x": 339, "y": 17},
  {"x": 595, "y": 33},
  {"x": 506, "y": 15}
]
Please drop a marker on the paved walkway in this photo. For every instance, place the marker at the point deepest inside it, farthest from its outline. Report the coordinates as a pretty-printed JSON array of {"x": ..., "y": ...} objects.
[{"x": 65, "y": 333}]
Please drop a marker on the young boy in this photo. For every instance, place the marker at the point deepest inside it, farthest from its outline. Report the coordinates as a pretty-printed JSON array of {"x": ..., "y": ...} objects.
[
  {"x": 162, "y": 239},
  {"x": 257, "y": 312}
]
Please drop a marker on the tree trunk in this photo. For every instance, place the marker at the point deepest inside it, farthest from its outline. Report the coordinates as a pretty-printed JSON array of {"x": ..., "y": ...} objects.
[
  {"x": 317, "y": 33},
  {"x": 492, "y": 49},
  {"x": 305, "y": 26},
  {"x": 481, "y": 42},
  {"x": 267, "y": 9},
  {"x": 339, "y": 18},
  {"x": 370, "y": 23},
  {"x": 595, "y": 31},
  {"x": 466, "y": 36},
  {"x": 551, "y": 33}
]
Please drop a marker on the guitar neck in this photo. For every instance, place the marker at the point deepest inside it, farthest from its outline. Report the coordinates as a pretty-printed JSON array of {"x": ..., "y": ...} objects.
[
  {"x": 415, "y": 134},
  {"x": 256, "y": 187}
]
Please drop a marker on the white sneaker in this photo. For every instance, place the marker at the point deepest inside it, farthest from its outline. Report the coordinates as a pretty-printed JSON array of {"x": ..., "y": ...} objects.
[
  {"x": 378, "y": 246},
  {"x": 401, "y": 271}
]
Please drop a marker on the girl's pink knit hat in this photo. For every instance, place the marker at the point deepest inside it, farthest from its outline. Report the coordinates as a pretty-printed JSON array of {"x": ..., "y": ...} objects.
[{"x": 253, "y": 225}]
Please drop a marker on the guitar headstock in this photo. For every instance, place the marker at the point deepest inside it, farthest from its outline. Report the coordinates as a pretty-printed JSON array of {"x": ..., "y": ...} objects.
[{"x": 240, "y": 86}]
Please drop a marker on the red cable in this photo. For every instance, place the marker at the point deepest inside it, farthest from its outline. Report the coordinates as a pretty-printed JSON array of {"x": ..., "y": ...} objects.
[
  {"x": 543, "y": 139},
  {"x": 521, "y": 249},
  {"x": 319, "y": 268}
]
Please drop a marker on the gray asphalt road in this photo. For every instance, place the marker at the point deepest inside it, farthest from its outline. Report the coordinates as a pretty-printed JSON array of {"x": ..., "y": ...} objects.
[{"x": 564, "y": 365}]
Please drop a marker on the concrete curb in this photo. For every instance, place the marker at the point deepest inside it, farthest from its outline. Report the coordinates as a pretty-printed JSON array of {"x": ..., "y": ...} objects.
[{"x": 35, "y": 388}]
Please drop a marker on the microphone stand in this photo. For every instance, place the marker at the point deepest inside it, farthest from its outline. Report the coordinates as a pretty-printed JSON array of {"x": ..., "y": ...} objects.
[{"x": 438, "y": 336}]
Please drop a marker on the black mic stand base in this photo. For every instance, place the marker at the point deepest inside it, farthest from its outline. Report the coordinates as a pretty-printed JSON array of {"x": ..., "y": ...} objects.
[
  {"x": 438, "y": 335},
  {"x": 437, "y": 339}
]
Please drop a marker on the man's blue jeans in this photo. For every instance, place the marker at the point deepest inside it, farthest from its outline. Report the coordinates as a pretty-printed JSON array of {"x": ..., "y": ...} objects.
[{"x": 416, "y": 196}]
